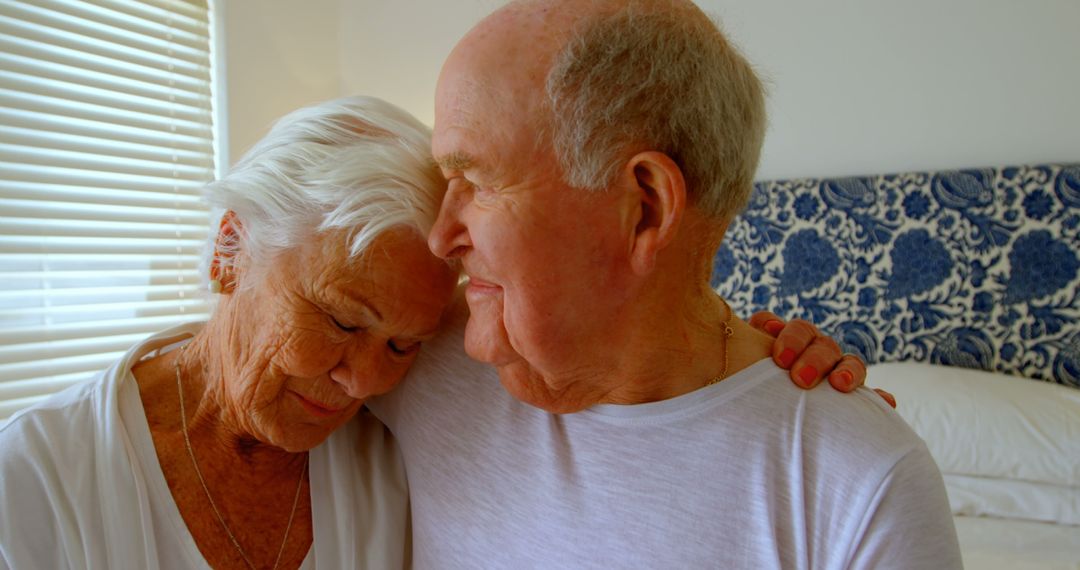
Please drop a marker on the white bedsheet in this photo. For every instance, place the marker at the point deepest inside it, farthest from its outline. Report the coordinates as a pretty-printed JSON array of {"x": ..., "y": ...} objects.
[{"x": 1009, "y": 544}]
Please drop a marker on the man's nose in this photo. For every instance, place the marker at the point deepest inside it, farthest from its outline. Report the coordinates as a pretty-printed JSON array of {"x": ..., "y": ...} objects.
[{"x": 449, "y": 237}]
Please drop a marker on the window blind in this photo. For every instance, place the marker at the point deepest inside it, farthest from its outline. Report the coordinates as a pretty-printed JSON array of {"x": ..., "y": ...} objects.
[{"x": 106, "y": 139}]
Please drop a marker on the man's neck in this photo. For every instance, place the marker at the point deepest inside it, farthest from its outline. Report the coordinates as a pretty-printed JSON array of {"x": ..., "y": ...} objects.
[
  {"x": 666, "y": 350},
  {"x": 686, "y": 349}
]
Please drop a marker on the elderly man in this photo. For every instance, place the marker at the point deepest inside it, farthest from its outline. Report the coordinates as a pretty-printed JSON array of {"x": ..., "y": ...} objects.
[{"x": 595, "y": 153}]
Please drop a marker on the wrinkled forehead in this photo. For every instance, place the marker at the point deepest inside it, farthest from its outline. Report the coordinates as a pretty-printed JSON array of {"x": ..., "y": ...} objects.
[
  {"x": 489, "y": 100},
  {"x": 502, "y": 61},
  {"x": 481, "y": 120},
  {"x": 464, "y": 98},
  {"x": 465, "y": 109}
]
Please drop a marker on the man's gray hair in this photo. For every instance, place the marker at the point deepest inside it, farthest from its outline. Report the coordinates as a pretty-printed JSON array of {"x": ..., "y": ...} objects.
[
  {"x": 357, "y": 163},
  {"x": 648, "y": 77}
]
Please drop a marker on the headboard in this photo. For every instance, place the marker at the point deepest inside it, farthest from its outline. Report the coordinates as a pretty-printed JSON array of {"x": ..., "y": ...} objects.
[{"x": 977, "y": 268}]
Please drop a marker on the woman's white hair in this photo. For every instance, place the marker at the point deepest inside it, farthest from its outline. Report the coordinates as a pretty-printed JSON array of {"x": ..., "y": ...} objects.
[
  {"x": 357, "y": 164},
  {"x": 657, "y": 75}
]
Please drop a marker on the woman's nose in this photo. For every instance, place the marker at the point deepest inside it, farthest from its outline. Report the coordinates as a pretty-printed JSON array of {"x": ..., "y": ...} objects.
[{"x": 360, "y": 370}]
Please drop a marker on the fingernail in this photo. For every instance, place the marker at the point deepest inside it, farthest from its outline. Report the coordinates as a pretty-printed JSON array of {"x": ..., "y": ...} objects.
[
  {"x": 808, "y": 374},
  {"x": 774, "y": 327},
  {"x": 846, "y": 379},
  {"x": 787, "y": 358}
]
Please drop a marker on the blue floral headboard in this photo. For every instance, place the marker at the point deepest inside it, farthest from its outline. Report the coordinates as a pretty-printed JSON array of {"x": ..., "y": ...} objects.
[{"x": 975, "y": 268}]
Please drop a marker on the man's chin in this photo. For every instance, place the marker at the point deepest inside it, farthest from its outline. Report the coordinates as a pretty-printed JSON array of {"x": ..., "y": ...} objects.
[
  {"x": 486, "y": 342},
  {"x": 524, "y": 385}
]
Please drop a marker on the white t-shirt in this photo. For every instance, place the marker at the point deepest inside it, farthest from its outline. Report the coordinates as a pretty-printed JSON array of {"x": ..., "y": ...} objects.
[
  {"x": 81, "y": 486},
  {"x": 751, "y": 472}
]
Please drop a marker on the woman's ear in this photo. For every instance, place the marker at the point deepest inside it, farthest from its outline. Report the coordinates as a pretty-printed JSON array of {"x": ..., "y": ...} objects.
[
  {"x": 223, "y": 266},
  {"x": 659, "y": 192}
]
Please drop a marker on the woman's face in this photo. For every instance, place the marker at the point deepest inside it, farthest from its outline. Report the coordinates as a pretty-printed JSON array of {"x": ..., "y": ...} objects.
[{"x": 319, "y": 333}]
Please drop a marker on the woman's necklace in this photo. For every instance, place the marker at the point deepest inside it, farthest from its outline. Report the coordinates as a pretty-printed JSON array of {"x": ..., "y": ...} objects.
[{"x": 213, "y": 505}]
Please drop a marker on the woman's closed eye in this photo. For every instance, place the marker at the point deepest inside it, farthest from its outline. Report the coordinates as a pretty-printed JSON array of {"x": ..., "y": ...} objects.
[
  {"x": 403, "y": 348},
  {"x": 345, "y": 328}
]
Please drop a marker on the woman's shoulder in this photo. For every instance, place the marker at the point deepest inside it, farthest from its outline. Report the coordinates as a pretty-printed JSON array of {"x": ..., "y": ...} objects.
[
  {"x": 41, "y": 446},
  {"x": 67, "y": 419},
  {"x": 60, "y": 418},
  {"x": 45, "y": 450}
]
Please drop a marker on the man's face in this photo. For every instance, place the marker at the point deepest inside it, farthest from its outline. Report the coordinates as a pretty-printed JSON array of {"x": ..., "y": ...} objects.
[{"x": 544, "y": 260}]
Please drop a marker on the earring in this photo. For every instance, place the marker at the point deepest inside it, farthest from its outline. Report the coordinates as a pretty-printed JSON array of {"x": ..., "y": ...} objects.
[{"x": 214, "y": 286}]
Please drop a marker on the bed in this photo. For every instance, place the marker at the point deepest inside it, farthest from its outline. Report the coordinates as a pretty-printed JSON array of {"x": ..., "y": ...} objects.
[{"x": 962, "y": 290}]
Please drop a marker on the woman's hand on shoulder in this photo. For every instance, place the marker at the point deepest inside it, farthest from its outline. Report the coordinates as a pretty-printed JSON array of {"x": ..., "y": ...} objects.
[{"x": 811, "y": 356}]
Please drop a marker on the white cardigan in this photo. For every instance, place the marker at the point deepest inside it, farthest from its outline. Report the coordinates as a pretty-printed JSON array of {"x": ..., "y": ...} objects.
[{"x": 81, "y": 487}]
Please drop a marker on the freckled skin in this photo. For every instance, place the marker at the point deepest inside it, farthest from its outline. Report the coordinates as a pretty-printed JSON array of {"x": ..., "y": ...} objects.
[
  {"x": 564, "y": 298},
  {"x": 272, "y": 345},
  {"x": 276, "y": 343},
  {"x": 556, "y": 253},
  {"x": 283, "y": 344}
]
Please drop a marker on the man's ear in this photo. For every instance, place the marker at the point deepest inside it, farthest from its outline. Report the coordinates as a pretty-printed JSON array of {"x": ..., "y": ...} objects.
[
  {"x": 223, "y": 266},
  {"x": 659, "y": 190}
]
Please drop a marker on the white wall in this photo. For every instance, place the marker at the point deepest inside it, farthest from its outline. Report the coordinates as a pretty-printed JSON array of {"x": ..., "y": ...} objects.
[
  {"x": 279, "y": 55},
  {"x": 882, "y": 86},
  {"x": 856, "y": 87},
  {"x": 393, "y": 49}
]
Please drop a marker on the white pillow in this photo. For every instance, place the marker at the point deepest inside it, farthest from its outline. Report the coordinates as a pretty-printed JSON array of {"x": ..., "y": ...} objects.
[
  {"x": 1007, "y": 446},
  {"x": 1013, "y": 499}
]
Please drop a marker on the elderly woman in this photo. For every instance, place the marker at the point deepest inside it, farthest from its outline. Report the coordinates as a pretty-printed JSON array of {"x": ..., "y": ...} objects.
[
  {"x": 228, "y": 444},
  {"x": 203, "y": 444}
]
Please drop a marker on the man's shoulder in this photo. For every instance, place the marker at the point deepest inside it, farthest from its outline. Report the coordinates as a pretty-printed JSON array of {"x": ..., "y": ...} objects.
[
  {"x": 870, "y": 424},
  {"x": 856, "y": 432},
  {"x": 853, "y": 445},
  {"x": 855, "y": 458}
]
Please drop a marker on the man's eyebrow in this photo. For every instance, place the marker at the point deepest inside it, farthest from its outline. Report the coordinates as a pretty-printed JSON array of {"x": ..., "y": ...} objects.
[{"x": 455, "y": 161}]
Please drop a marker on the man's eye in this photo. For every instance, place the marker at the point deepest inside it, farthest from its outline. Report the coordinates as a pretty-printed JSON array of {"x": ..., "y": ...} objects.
[
  {"x": 343, "y": 327},
  {"x": 402, "y": 350}
]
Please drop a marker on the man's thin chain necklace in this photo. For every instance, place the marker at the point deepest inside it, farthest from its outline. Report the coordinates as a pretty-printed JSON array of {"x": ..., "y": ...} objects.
[
  {"x": 728, "y": 333},
  {"x": 213, "y": 505}
]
